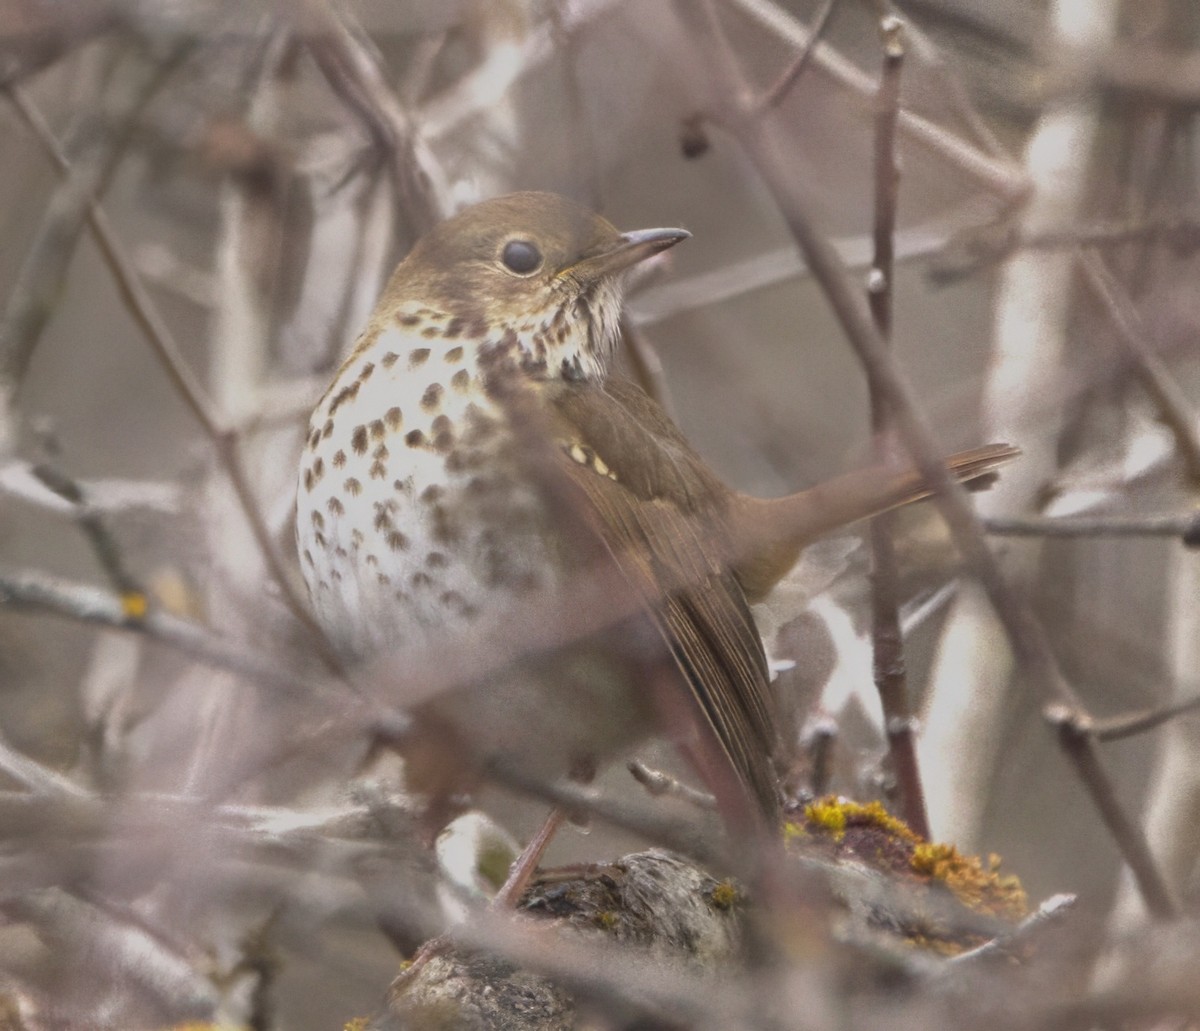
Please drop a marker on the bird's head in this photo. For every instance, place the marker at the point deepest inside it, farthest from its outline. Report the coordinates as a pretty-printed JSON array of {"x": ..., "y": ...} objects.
[{"x": 529, "y": 271}]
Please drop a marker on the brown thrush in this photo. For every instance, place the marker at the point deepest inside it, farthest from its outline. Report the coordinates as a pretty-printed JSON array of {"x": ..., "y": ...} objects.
[{"x": 474, "y": 449}]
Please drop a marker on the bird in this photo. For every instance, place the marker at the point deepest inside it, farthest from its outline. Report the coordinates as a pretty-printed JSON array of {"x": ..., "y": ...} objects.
[{"x": 477, "y": 449}]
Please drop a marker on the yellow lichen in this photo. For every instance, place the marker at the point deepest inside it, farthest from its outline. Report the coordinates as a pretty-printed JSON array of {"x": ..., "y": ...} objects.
[
  {"x": 134, "y": 605},
  {"x": 355, "y": 1024},
  {"x": 605, "y": 919},
  {"x": 724, "y": 895},
  {"x": 834, "y": 815}
]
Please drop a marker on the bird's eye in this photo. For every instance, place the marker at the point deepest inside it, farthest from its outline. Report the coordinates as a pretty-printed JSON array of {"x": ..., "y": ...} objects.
[{"x": 521, "y": 257}]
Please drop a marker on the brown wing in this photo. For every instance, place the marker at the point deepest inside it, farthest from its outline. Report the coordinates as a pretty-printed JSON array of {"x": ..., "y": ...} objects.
[{"x": 659, "y": 512}]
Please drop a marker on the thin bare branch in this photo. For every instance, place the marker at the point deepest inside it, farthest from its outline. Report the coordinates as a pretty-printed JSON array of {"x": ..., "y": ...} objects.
[
  {"x": 774, "y": 95},
  {"x": 1173, "y": 405},
  {"x": 890, "y": 671}
]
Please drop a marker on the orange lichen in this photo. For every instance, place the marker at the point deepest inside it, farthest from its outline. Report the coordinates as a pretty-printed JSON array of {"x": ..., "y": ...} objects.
[{"x": 981, "y": 887}]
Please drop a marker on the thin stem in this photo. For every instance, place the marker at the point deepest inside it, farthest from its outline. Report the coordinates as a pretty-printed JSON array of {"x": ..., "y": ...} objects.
[{"x": 887, "y": 642}]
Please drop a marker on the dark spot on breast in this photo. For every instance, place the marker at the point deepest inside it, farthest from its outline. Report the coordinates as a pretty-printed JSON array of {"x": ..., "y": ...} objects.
[
  {"x": 352, "y": 487},
  {"x": 314, "y": 439},
  {"x": 318, "y": 520},
  {"x": 356, "y": 537},
  {"x": 319, "y": 540},
  {"x": 393, "y": 418},
  {"x": 436, "y": 560},
  {"x": 414, "y": 438},
  {"x": 453, "y": 600},
  {"x": 429, "y": 332},
  {"x": 383, "y": 519},
  {"x": 432, "y": 397},
  {"x": 358, "y": 440},
  {"x": 443, "y": 433},
  {"x": 339, "y": 458},
  {"x": 308, "y": 557},
  {"x": 308, "y": 479},
  {"x": 402, "y": 486},
  {"x": 418, "y": 357},
  {"x": 378, "y": 471},
  {"x": 381, "y": 453},
  {"x": 383, "y": 579},
  {"x": 372, "y": 560},
  {"x": 510, "y": 340},
  {"x": 348, "y": 393},
  {"x": 327, "y": 429},
  {"x": 377, "y": 430},
  {"x": 364, "y": 373},
  {"x": 318, "y": 469},
  {"x": 341, "y": 552},
  {"x": 397, "y": 541},
  {"x": 476, "y": 328},
  {"x": 454, "y": 327},
  {"x": 445, "y": 530},
  {"x": 408, "y": 319},
  {"x": 453, "y": 355},
  {"x": 431, "y": 493},
  {"x": 390, "y": 359},
  {"x": 461, "y": 380},
  {"x": 335, "y": 506},
  {"x": 420, "y": 579}
]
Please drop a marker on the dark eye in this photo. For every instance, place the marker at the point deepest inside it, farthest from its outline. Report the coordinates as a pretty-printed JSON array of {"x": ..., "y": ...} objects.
[{"x": 520, "y": 256}]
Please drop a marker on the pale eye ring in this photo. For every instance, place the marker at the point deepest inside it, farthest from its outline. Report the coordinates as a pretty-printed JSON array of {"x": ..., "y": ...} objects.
[{"x": 521, "y": 257}]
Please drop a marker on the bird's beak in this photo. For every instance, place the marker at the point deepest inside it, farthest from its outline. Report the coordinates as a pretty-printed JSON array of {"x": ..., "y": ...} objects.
[{"x": 628, "y": 249}]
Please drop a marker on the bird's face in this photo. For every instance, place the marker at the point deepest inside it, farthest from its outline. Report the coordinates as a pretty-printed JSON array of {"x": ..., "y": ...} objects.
[{"x": 535, "y": 269}]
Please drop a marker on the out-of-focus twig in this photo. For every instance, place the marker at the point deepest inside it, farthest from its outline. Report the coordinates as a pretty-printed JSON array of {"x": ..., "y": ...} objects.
[
  {"x": 1185, "y": 527},
  {"x": 971, "y": 251},
  {"x": 40, "y": 592},
  {"x": 354, "y": 74},
  {"x": 1114, "y": 728},
  {"x": 167, "y": 350},
  {"x": 135, "y": 81},
  {"x": 1002, "y": 177},
  {"x": 79, "y": 931},
  {"x": 1173, "y": 406}
]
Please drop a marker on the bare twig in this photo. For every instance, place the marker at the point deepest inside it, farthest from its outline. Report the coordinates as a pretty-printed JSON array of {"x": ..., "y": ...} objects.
[
  {"x": 1023, "y": 629},
  {"x": 774, "y": 95},
  {"x": 1114, "y": 728},
  {"x": 657, "y": 783},
  {"x": 1052, "y": 910},
  {"x": 1173, "y": 405},
  {"x": 95, "y": 529},
  {"x": 891, "y": 675}
]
